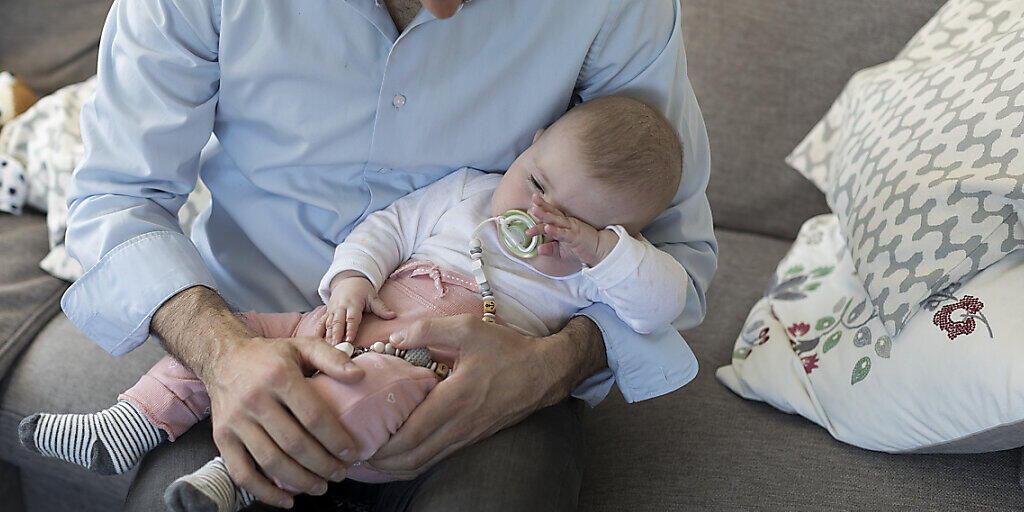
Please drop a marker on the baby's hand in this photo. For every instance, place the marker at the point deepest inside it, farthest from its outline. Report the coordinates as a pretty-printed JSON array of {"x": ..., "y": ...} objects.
[
  {"x": 351, "y": 294},
  {"x": 572, "y": 237}
]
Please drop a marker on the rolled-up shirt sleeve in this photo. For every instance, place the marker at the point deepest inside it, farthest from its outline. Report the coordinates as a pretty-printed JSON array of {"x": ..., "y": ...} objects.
[
  {"x": 640, "y": 54},
  {"x": 144, "y": 130}
]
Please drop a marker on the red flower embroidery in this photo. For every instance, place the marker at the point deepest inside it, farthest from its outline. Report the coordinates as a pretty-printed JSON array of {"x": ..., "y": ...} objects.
[
  {"x": 762, "y": 337},
  {"x": 810, "y": 362},
  {"x": 943, "y": 318},
  {"x": 799, "y": 329}
]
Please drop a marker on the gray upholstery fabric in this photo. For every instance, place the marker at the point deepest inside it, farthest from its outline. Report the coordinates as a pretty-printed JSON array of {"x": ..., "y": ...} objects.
[
  {"x": 51, "y": 43},
  {"x": 63, "y": 371},
  {"x": 704, "y": 448},
  {"x": 764, "y": 74},
  {"x": 29, "y": 297}
]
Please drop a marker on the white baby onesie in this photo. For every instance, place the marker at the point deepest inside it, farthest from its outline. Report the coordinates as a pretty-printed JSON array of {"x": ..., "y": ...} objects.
[{"x": 645, "y": 286}]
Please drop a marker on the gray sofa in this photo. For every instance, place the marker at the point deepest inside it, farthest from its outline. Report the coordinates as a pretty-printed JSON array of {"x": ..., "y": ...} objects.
[{"x": 764, "y": 71}]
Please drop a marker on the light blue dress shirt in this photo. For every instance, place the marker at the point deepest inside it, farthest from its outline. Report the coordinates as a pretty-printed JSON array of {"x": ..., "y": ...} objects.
[{"x": 321, "y": 112}]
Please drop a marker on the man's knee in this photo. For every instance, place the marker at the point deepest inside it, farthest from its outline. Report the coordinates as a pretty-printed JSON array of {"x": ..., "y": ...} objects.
[{"x": 533, "y": 465}]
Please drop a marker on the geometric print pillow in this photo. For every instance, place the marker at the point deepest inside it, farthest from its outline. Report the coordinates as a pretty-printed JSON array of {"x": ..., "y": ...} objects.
[{"x": 922, "y": 158}]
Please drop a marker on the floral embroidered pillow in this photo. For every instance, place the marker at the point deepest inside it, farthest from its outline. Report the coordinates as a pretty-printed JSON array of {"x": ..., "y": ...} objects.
[
  {"x": 949, "y": 382},
  {"x": 921, "y": 157}
]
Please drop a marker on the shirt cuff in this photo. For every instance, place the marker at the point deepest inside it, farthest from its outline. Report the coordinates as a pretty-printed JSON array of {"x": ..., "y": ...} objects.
[
  {"x": 593, "y": 389},
  {"x": 644, "y": 365},
  {"x": 618, "y": 264},
  {"x": 114, "y": 301},
  {"x": 351, "y": 260}
]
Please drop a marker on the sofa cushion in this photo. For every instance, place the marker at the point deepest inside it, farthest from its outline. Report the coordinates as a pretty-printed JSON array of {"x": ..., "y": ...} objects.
[
  {"x": 764, "y": 74},
  {"x": 29, "y": 297},
  {"x": 63, "y": 371},
  {"x": 703, "y": 448}
]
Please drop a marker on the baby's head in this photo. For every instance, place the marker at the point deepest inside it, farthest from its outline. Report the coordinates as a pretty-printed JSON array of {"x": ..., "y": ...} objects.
[{"x": 609, "y": 160}]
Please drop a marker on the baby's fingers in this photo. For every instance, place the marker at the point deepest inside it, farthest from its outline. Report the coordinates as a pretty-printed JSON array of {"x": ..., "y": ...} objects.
[
  {"x": 379, "y": 308},
  {"x": 335, "y": 326},
  {"x": 352, "y": 318},
  {"x": 548, "y": 248}
]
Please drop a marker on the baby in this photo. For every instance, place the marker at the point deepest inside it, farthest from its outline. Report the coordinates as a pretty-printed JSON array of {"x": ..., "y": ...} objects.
[{"x": 527, "y": 249}]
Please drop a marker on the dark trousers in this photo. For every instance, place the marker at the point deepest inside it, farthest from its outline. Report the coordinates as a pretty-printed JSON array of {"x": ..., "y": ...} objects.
[{"x": 534, "y": 465}]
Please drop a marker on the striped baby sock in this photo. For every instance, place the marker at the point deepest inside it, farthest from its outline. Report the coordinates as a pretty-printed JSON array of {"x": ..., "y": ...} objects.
[
  {"x": 208, "y": 489},
  {"x": 109, "y": 442}
]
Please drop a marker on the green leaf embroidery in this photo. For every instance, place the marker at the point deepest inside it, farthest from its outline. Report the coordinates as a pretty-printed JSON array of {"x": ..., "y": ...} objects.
[
  {"x": 794, "y": 269},
  {"x": 831, "y": 341},
  {"x": 822, "y": 271},
  {"x": 839, "y": 305},
  {"x": 860, "y": 370},
  {"x": 812, "y": 287},
  {"x": 825, "y": 323},
  {"x": 741, "y": 353}
]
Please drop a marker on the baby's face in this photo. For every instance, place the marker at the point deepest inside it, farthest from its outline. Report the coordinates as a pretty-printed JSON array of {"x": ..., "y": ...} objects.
[{"x": 553, "y": 167}]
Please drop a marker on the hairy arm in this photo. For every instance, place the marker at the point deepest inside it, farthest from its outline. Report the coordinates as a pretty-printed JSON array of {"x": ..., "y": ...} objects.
[{"x": 264, "y": 412}]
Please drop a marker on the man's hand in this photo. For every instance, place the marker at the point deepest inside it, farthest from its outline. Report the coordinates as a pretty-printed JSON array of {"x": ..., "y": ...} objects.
[
  {"x": 499, "y": 378},
  {"x": 572, "y": 237},
  {"x": 263, "y": 409},
  {"x": 351, "y": 294}
]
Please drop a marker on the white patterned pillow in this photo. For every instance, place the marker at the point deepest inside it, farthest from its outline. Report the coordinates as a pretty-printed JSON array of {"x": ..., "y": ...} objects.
[
  {"x": 951, "y": 382},
  {"x": 922, "y": 158}
]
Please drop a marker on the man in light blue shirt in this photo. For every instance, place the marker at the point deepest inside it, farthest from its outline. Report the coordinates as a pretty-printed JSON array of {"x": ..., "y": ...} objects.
[{"x": 322, "y": 112}]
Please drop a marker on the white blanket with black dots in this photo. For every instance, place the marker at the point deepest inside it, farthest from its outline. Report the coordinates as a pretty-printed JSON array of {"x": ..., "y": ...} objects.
[{"x": 39, "y": 151}]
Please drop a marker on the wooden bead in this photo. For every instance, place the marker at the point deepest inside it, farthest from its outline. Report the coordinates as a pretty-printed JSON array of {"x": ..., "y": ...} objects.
[
  {"x": 442, "y": 370},
  {"x": 490, "y": 306}
]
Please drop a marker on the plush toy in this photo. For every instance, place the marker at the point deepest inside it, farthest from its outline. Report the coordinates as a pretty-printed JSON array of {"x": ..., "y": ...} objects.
[{"x": 15, "y": 98}]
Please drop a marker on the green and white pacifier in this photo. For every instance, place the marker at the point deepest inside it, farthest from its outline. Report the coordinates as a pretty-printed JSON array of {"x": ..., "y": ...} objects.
[{"x": 512, "y": 227}]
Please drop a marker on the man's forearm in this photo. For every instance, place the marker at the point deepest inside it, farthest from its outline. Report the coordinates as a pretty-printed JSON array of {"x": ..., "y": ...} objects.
[
  {"x": 574, "y": 354},
  {"x": 196, "y": 326}
]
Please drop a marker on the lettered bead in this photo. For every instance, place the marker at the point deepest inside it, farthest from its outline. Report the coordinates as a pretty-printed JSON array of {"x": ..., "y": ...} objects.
[
  {"x": 389, "y": 348},
  {"x": 488, "y": 319},
  {"x": 377, "y": 347},
  {"x": 345, "y": 347},
  {"x": 442, "y": 370},
  {"x": 490, "y": 306}
]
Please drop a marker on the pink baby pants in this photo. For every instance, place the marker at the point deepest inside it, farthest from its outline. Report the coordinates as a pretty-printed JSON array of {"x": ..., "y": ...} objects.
[{"x": 174, "y": 399}]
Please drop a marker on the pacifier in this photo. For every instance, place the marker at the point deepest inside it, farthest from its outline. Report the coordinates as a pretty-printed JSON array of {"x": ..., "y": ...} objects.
[{"x": 512, "y": 228}]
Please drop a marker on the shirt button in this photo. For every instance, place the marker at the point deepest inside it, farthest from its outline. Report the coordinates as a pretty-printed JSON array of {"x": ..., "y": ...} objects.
[
  {"x": 398, "y": 100},
  {"x": 383, "y": 170}
]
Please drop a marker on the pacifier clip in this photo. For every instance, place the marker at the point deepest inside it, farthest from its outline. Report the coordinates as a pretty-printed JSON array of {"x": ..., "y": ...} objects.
[{"x": 512, "y": 228}]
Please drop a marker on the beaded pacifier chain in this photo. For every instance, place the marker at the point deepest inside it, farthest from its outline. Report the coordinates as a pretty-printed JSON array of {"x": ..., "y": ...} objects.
[{"x": 512, "y": 227}]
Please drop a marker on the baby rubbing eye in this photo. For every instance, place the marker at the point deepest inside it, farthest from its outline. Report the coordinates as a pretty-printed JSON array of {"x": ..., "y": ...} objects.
[{"x": 535, "y": 183}]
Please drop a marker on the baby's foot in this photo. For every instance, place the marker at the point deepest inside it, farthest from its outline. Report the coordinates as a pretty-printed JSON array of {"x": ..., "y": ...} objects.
[
  {"x": 109, "y": 442},
  {"x": 208, "y": 489}
]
